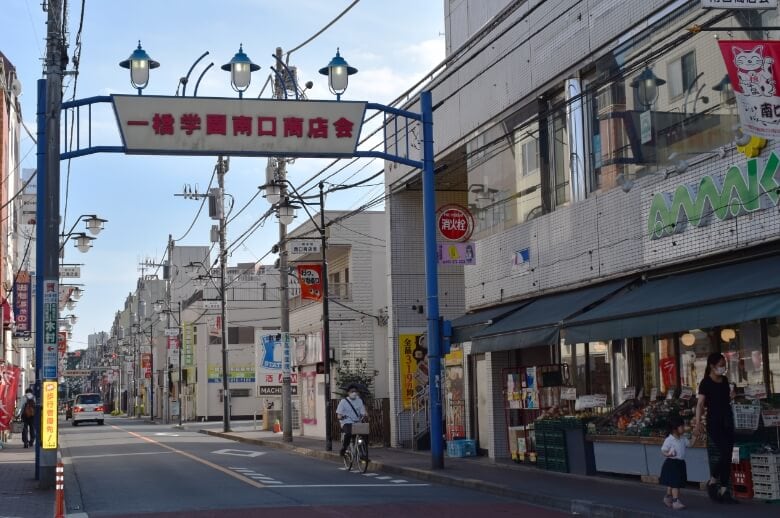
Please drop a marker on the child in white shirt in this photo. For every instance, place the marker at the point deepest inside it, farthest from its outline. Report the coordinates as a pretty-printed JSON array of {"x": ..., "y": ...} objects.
[{"x": 673, "y": 473}]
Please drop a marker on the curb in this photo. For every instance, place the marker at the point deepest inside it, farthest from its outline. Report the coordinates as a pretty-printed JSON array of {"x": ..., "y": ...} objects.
[{"x": 560, "y": 503}]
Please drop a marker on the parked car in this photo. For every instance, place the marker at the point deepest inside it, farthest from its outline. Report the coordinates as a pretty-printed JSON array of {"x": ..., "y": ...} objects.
[
  {"x": 69, "y": 409},
  {"x": 88, "y": 407}
]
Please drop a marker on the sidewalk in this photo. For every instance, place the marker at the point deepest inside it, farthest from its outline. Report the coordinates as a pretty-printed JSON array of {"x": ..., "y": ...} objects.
[
  {"x": 587, "y": 496},
  {"x": 19, "y": 491}
]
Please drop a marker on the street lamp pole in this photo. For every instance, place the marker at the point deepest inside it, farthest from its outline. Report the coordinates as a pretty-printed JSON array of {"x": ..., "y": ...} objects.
[
  {"x": 181, "y": 343},
  {"x": 221, "y": 170}
]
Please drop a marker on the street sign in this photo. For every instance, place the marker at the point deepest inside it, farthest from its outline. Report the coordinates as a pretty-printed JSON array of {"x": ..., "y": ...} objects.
[
  {"x": 304, "y": 247},
  {"x": 455, "y": 223},
  {"x": 70, "y": 270},
  {"x": 238, "y": 127},
  {"x": 211, "y": 304},
  {"x": 51, "y": 294},
  {"x": 172, "y": 331},
  {"x": 76, "y": 373}
]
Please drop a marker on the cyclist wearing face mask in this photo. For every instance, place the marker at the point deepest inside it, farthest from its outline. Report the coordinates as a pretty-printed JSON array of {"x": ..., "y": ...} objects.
[
  {"x": 716, "y": 394},
  {"x": 350, "y": 410}
]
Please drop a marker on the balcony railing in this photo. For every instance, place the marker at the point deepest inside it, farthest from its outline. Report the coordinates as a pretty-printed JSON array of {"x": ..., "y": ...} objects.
[{"x": 336, "y": 291}]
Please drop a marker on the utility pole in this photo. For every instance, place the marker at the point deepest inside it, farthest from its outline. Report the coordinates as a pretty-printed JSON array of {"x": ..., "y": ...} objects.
[
  {"x": 281, "y": 171},
  {"x": 178, "y": 392},
  {"x": 48, "y": 212},
  {"x": 222, "y": 167},
  {"x": 325, "y": 322}
]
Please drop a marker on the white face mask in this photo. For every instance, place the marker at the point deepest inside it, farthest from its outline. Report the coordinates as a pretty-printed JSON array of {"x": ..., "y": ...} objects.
[
  {"x": 353, "y": 395},
  {"x": 721, "y": 371},
  {"x": 29, "y": 396}
]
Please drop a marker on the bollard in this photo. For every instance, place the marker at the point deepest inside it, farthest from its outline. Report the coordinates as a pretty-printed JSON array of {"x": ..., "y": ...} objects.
[{"x": 59, "y": 503}]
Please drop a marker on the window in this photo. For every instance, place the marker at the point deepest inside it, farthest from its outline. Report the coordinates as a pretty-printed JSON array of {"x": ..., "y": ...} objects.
[
  {"x": 773, "y": 337},
  {"x": 346, "y": 275},
  {"x": 695, "y": 346},
  {"x": 599, "y": 369},
  {"x": 743, "y": 351},
  {"x": 241, "y": 335},
  {"x": 528, "y": 177},
  {"x": 529, "y": 157},
  {"x": 558, "y": 157},
  {"x": 682, "y": 74}
]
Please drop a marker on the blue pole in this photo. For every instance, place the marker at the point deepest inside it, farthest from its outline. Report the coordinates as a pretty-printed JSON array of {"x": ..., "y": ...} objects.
[
  {"x": 40, "y": 241},
  {"x": 432, "y": 283}
]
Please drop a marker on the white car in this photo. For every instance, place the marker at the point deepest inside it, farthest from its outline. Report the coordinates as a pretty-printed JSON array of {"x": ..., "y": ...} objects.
[{"x": 88, "y": 407}]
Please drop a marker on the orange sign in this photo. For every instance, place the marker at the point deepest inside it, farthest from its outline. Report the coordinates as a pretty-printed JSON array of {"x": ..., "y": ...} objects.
[
  {"x": 62, "y": 342},
  {"x": 49, "y": 418}
]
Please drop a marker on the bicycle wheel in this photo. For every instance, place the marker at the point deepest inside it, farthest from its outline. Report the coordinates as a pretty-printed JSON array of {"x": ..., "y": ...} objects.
[
  {"x": 348, "y": 458},
  {"x": 362, "y": 448}
]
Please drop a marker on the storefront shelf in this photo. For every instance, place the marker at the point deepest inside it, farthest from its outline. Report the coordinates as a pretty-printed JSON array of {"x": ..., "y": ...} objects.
[{"x": 645, "y": 459}]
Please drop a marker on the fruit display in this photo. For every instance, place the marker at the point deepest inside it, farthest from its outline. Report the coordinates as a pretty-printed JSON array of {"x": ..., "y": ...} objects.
[{"x": 643, "y": 418}]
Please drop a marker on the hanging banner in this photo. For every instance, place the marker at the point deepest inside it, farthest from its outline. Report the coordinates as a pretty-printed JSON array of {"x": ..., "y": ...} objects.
[
  {"x": 310, "y": 279},
  {"x": 146, "y": 365},
  {"x": 9, "y": 379},
  {"x": 188, "y": 340},
  {"x": 753, "y": 75},
  {"x": 23, "y": 305},
  {"x": 413, "y": 352}
]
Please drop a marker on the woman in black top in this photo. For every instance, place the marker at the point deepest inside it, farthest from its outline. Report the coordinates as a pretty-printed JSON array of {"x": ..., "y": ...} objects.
[{"x": 716, "y": 394}]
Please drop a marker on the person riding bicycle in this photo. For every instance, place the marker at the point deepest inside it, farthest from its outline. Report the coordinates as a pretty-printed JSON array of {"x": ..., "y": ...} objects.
[{"x": 350, "y": 410}]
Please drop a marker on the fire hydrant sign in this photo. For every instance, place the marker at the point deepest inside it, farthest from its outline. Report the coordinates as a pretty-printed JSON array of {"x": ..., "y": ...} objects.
[
  {"x": 752, "y": 67},
  {"x": 455, "y": 223},
  {"x": 49, "y": 418},
  {"x": 238, "y": 127}
]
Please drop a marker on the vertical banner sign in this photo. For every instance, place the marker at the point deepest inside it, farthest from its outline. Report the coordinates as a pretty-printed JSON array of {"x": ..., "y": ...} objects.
[
  {"x": 62, "y": 342},
  {"x": 310, "y": 279},
  {"x": 51, "y": 297},
  {"x": 22, "y": 305},
  {"x": 413, "y": 371},
  {"x": 752, "y": 70},
  {"x": 146, "y": 365},
  {"x": 187, "y": 342},
  {"x": 49, "y": 423},
  {"x": 269, "y": 364},
  {"x": 286, "y": 355},
  {"x": 9, "y": 379}
]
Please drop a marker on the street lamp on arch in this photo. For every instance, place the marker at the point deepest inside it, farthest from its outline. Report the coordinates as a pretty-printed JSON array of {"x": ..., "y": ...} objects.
[
  {"x": 338, "y": 72},
  {"x": 139, "y": 63},
  {"x": 646, "y": 85},
  {"x": 240, "y": 68}
]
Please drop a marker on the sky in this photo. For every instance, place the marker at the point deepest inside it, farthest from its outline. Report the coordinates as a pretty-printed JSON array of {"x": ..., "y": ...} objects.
[{"x": 392, "y": 44}]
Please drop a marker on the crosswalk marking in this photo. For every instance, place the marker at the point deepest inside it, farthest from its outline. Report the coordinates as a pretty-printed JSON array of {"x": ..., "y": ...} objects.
[
  {"x": 370, "y": 474},
  {"x": 398, "y": 481},
  {"x": 383, "y": 478}
]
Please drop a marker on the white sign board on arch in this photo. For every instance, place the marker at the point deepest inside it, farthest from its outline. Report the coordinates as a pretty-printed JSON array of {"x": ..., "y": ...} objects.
[{"x": 238, "y": 127}]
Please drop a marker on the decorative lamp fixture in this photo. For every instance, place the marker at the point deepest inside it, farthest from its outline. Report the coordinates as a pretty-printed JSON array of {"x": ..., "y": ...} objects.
[
  {"x": 273, "y": 193},
  {"x": 286, "y": 212},
  {"x": 688, "y": 339},
  {"x": 240, "y": 68},
  {"x": 646, "y": 85},
  {"x": 157, "y": 306},
  {"x": 70, "y": 304},
  {"x": 139, "y": 63},
  {"x": 726, "y": 90},
  {"x": 727, "y": 334},
  {"x": 76, "y": 293},
  {"x": 338, "y": 72},
  {"x": 83, "y": 242},
  {"x": 95, "y": 224}
]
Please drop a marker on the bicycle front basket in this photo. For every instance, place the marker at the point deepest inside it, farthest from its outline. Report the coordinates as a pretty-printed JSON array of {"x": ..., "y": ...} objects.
[{"x": 360, "y": 429}]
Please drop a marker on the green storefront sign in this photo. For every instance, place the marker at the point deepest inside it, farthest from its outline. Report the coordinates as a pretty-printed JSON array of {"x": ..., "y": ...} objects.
[{"x": 738, "y": 192}]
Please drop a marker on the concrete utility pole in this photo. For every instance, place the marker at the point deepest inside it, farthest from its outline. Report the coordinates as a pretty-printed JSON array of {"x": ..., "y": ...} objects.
[
  {"x": 222, "y": 167},
  {"x": 325, "y": 321},
  {"x": 48, "y": 212},
  {"x": 281, "y": 171}
]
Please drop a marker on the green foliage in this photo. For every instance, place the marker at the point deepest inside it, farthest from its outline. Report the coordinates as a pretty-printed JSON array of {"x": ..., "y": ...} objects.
[{"x": 354, "y": 371}]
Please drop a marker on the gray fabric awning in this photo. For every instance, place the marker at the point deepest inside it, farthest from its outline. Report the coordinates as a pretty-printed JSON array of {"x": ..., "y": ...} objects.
[
  {"x": 538, "y": 322},
  {"x": 466, "y": 326},
  {"x": 721, "y": 295}
]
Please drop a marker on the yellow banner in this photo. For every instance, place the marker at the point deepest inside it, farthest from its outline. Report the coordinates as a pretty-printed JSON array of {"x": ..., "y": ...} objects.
[
  {"x": 49, "y": 418},
  {"x": 413, "y": 353}
]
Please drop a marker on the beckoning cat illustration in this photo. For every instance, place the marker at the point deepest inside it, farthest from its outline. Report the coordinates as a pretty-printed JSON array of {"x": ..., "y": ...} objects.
[{"x": 754, "y": 71}]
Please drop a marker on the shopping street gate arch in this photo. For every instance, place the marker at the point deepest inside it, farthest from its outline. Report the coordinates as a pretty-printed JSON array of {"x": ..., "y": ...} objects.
[{"x": 164, "y": 125}]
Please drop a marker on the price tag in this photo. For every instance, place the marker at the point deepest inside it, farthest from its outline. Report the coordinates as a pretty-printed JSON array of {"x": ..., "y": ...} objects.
[
  {"x": 628, "y": 393},
  {"x": 755, "y": 392},
  {"x": 600, "y": 400},
  {"x": 686, "y": 393},
  {"x": 653, "y": 393},
  {"x": 569, "y": 393},
  {"x": 771, "y": 417}
]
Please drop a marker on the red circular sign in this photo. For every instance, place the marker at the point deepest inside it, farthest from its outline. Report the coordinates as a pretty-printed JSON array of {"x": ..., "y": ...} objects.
[{"x": 455, "y": 223}]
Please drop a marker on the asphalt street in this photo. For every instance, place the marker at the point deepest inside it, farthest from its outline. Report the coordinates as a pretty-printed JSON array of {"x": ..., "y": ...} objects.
[{"x": 127, "y": 468}]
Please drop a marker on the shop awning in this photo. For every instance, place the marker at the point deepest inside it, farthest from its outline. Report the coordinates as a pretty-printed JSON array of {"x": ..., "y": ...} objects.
[
  {"x": 466, "y": 326},
  {"x": 716, "y": 296},
  {"x": 538, "y": 322}
]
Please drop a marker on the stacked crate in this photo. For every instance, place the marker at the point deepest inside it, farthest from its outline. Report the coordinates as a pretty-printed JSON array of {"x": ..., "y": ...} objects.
[
  {"x": 765, "y": 468},
  {"x": 551, "y": 445}
]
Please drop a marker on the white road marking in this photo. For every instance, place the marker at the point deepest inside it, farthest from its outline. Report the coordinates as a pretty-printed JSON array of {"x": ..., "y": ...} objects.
[
  {"x": 167, "y": 434},
  {"x": 349, "y": 485},
  {"x": 398, "y": 481},
  {"x": 383, "y": 478},
  {"x": 118, "y": 455},
  {"x": 370, "y": 474},
  {"x": 272, "y": 482},
  {"x": 239, "y": 453}
]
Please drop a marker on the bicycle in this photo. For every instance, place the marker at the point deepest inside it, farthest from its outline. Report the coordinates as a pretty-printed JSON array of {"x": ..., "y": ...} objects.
[{"x": 358, "y": 448}]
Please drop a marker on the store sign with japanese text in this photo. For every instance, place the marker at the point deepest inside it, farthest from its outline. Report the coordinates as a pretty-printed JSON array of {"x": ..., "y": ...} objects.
[
  {"x": 270, "y": 353},
  {"x": 49, "y": 423},
  {"x": 146, "y": 365},
  {"x": 23, "y": 305},
  {"x": 752, "y": 70},
  {"x": 238, "y": 127},
  {"x": 9, "y": 381},
  {"x": 188, "y": 344},
  {"x": 310, "y": 279},
  {"x": 413, "y": 352},
  {"x": 457, "y": 253},
  {"x": 739, "y": 4},
  {"x": 236, "y": 373}
]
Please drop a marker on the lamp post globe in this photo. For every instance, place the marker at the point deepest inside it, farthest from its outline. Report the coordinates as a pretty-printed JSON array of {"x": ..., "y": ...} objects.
[
  {"x": 94, "y": 224},
  {"x": 273, "y": 193},
  {"x": 240, "y": 68},
  {"x": 338, "y": 72},
  {"x": 158, "y": 306},
  {"x": 646, "y": 86},
  {"x": 139, "y": 63},
  {"x": 286, "y": 212},
  {"x": 83, "y": 242},
  {"x": 76, "y": 293}
]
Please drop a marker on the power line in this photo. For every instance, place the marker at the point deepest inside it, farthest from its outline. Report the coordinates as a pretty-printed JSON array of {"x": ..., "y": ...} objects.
[
  {"x": 326, "y": 27},
  {"x": 202, "y": 203}
]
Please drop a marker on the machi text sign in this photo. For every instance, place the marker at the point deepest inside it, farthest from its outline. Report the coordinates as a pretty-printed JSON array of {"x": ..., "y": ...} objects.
[
  {"x": 739, "y": 4},
  {"x": 238, "y": 127},
  {"x": 49, "y": 418}
]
